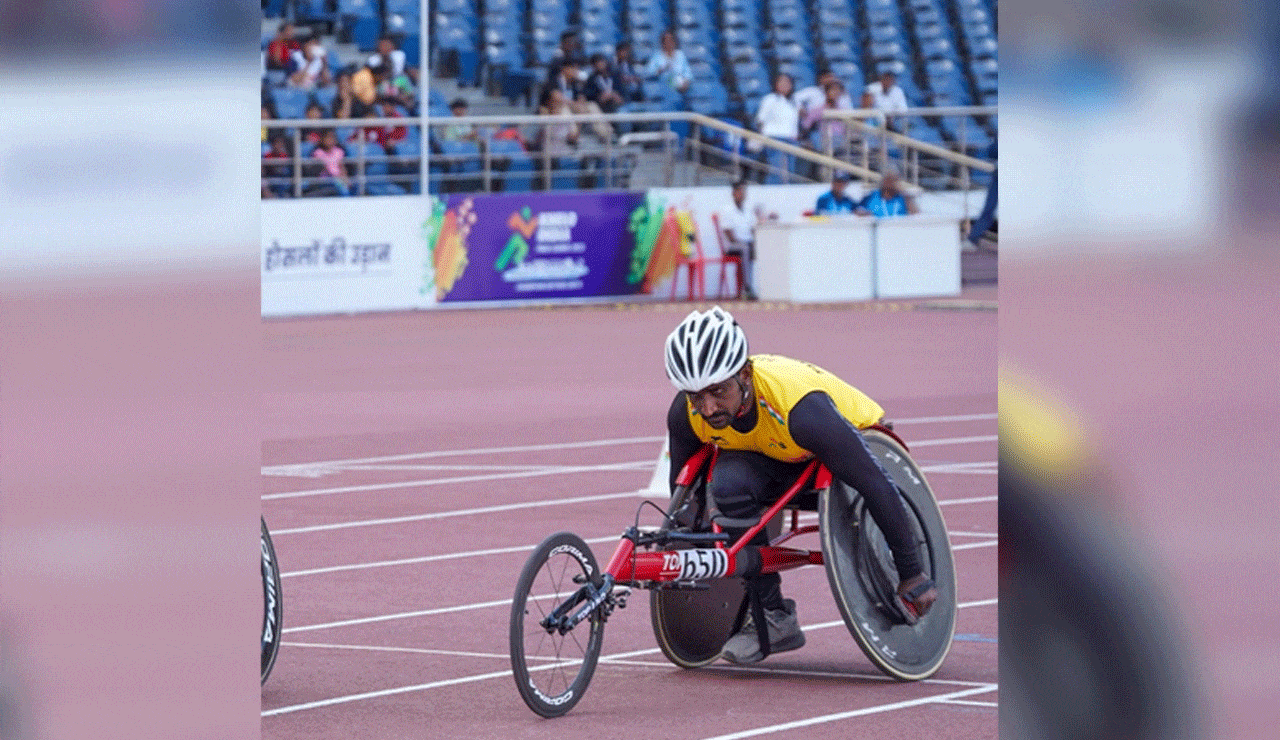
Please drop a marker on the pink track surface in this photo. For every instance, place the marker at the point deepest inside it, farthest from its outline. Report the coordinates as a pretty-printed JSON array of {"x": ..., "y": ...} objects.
[{"x": 423, "y": 653}]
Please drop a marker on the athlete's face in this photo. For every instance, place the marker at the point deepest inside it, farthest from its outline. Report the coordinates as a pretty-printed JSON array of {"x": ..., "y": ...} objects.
[{"x": 721, "y": 403}]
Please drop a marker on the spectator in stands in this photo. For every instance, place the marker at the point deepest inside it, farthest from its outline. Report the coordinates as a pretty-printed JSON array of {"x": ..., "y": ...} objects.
[
  {"x": 395, "y": 88},
  {"x": 887, "y": 200},
  {"x": 573, "y": 90},
  {"x": 311, "y": 64},
  {"x": 738, "y": 227},
  {"x": 280, "y": 49},
  {"x": 627, "y": 74},
  {"x": 570, "y": 52},
  {"x": 835, "y": 201},
  {"x": 364, "y": 86},
  {"x": 391, "y": 55},
  {"x": 331, "y": 154},
  {"x": 511, "y": 132},
  {"x": 779, "y": 118},
  {"x": 813, "y": 97},
  {"x": 268, "y": 114},
  {"x": 346, "y": 104},
  {"x": 313, "y": 134},
  {"x": 459, "y": 131},
  {"x": 600, "y": 88},
  {"x": 556, "y": 137},
  {"x": 670, "y": 69},
  {"x": 276, "y": 174},
  {"x": 385, "y": 136},
  {"x": 814, "y": 128},
  {"x": 885, "y": 95}
]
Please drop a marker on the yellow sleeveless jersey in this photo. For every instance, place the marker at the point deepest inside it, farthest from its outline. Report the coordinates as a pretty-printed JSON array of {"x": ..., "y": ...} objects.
[{"x": 780, "y": 383}]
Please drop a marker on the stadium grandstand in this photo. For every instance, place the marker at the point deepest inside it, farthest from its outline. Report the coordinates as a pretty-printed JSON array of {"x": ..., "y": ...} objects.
[{"x": 494, "y": 56}]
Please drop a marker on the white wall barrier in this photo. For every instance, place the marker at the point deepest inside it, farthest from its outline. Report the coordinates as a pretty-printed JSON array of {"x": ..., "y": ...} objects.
[
  {"x": 344, "y": 255},
  {"x": 351, "y": 255}
]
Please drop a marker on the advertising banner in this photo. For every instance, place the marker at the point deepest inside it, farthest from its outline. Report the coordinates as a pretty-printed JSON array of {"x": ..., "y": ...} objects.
[
  {"x": 531, "y": 246},
  {"x": 344, "y": 255}
]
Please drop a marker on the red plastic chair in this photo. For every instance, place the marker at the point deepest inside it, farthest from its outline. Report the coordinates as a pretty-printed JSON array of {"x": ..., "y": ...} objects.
[
  {"x": 727, "y": 259},
  {"x": 695, "y": 264}
]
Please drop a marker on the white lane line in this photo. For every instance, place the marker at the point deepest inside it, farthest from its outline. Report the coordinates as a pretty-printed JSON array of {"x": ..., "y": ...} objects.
[
  {"x": 282, "y": 469},
  {"x": 527, "y": 548},
  {"x": 453, "y": 513},
  {"x": 633, "y": 465},
  {"x": 501, "y": 674},
  {"x": 441, "y": 466},
  {"x": 876, "y": 709},
  {"x": 937, "y": 419},
  {"x": 971, "y": 703},
  {"x": 640, "y": 465},
  {"x": 513, "y": 507},
  {"x": 384, "y": 649},
  {"x": 431, "y": 558},
  {"x": 951, "y": 501},
  {"x": 952, "y": 441},
  {"x": 472, "y": 451},
  {"x": 616, "y": 660},
  {"x": 972, "y": 545},
  {"x": 498, "y": 602}
]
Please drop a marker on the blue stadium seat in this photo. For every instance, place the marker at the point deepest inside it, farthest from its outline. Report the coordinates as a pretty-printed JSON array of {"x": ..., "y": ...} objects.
[
  {"x": 411, "y": 45},
  {"x": 310, "y": 10},
  {"x": 290, "y": 102},
  {"x": 938, "y": 48},
  {"x": 365, "y": 32},
  {"x": 358, "y": 8},
  {"x": 324, "y": 96}
]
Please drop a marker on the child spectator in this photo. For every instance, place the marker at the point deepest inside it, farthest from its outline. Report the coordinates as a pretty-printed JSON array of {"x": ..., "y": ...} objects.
[
  {"x": 331, "y": 154},
  {"x": 311, "y": 64},
  {"x": 459, "y": 131},
  {"x": 275, "y": 174}
]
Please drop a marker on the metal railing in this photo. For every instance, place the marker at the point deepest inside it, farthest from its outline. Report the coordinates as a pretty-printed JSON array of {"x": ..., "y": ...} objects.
[
  {"x": 865, "y": 131},
  {"x": 608, "y": 148}
]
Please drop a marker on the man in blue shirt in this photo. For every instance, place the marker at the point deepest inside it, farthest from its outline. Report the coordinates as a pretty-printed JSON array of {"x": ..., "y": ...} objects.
[
  {"x": 887, "y": 200},
  {"x": 835, "y": 201}
]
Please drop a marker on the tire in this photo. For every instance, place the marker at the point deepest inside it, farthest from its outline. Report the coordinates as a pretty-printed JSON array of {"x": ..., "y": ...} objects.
[
  {"x": 863, "y": 579},
  {"x": 549, "y": 685},
  {"x": 272, "y": 604}
]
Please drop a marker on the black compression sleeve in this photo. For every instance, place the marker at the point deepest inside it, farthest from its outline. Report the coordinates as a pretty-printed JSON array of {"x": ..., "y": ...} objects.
[
  {"x": 819, "y": 427},
  {"x": 684, "y": 443}
]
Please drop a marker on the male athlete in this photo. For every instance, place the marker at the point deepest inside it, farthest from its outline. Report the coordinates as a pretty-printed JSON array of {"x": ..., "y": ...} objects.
[{"x": 769, "y": 416}]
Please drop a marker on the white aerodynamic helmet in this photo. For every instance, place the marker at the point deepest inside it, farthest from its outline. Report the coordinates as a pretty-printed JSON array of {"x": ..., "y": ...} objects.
[{"x": 705, "y": 349}]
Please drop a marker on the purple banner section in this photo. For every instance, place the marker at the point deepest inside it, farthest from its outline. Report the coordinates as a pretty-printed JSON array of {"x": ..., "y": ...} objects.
[{"x": 528, "y": 246}]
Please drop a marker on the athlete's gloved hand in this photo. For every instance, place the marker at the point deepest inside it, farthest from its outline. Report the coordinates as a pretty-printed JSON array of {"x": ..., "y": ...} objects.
[{"x": 917, "y": 594}]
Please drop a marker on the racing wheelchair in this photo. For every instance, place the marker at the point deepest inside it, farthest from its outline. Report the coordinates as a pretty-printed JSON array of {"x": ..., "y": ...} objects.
[
  {"x": 272, "y": 604},
  {"x": 694, "y": 574}
]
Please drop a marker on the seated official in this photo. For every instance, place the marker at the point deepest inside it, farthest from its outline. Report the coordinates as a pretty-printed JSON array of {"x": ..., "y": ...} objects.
[
  {"x": 887, "y": 200},
  {"x": 835, "y": 200}
]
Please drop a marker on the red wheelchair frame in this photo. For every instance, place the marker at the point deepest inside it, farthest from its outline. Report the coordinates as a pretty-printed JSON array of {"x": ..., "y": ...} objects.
[
  {"x": 689, "y": 558},
  {"x": 635, "y": 568}
]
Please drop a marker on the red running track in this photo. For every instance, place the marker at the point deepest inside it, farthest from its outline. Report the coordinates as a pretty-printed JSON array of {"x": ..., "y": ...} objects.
[{"x": 401, "y": 540}]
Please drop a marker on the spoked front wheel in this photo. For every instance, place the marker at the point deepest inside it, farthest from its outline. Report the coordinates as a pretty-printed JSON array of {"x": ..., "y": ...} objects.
[{"x": 552, "y": 669}]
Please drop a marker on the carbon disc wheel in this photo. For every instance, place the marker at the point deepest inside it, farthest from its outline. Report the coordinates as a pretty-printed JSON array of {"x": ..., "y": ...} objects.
[
  {"x": 272, "y": 604},
  {"x": 863, "y": 579}
]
